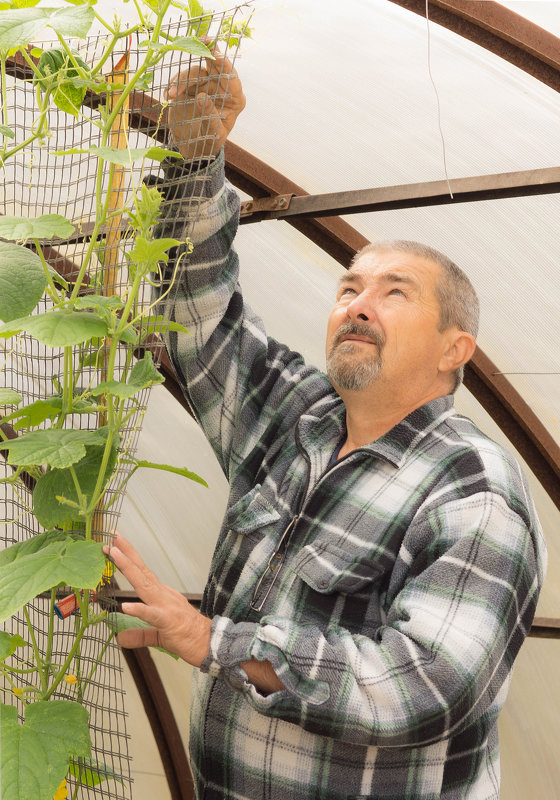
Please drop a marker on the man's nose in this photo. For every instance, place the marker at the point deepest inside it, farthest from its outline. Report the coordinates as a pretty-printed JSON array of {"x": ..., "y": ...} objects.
[{"x": 361, "y": 308}]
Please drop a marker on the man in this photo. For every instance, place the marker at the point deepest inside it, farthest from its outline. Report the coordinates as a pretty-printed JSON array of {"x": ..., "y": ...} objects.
[{"x": 380, "y": 560}]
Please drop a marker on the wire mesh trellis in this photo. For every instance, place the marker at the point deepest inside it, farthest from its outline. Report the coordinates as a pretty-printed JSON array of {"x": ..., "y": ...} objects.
[{"x": 40, "y": 180}]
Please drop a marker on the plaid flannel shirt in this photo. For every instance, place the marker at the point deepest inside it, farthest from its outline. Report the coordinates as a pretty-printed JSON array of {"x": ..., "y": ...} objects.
[{"x": 405, "y": 585}]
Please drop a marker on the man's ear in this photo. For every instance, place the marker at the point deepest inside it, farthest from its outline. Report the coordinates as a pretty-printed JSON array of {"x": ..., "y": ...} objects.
[{"x": 460, "y": 348}]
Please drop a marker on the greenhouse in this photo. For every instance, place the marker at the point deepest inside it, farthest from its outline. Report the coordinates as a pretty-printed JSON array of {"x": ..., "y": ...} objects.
[{"x": 369, "y": 121}]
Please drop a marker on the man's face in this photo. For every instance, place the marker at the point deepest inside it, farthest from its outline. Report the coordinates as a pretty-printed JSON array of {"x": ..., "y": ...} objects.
[{"x": 384, "y": 324}]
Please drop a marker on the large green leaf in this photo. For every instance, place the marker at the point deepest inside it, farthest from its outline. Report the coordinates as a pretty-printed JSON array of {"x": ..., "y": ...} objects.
[
  {"x": 142, "y": 375},
  {"x": 92, "y": 773},
  {"x": 46, "y": 226},
  {"x": 41, "y": 410},
  {"x": 129, "y": 335},
  {"x": 22, "y": 281},
  {"x": 69, "y": 98},
  {"x": 9, "y": 397},
  {"x": 34, "y": 413},
  {"x": 59, "y": 76},
  {"x": 74, "y": 21},
  {"x": 100, "y": 302},
  {"x": 79, "y": 564},
  {"x": 57, "y": 447},
  {"x": 58, "y": 483},
  {"x": 31, "y": 545},
  {"x": 36, "y": 755},
  {"x": 58, "y": 328},
  {"x": 196, "y": 8},
  {"x": 19, "y": 26}
]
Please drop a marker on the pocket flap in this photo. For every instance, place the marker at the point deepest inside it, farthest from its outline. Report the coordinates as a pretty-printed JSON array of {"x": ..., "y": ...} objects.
[
  {"x": 327, "y": 568},
  {"x": 252, "y": 511}
]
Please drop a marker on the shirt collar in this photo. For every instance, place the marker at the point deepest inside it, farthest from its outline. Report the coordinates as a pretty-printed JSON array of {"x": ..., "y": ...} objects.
[
  {"x": 406, "y": 435},
  {"x": 323, "y": 431}
]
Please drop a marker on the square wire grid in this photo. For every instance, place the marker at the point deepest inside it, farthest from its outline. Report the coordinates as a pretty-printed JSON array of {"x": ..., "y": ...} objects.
[{"x": 37, "y": 182}]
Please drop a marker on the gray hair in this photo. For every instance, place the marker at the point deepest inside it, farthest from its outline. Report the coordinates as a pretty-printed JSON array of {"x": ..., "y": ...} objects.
[{"x": 458, "y": 301}]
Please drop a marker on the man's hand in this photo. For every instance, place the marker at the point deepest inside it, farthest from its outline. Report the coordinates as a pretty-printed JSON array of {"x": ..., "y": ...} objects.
[
  {"x": 204, "y": 105},
  {"x": 176, "y": 625}
]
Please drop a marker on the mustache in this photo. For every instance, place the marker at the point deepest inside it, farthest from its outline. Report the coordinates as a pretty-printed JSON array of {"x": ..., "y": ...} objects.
[{"x": 358, "y": 329}]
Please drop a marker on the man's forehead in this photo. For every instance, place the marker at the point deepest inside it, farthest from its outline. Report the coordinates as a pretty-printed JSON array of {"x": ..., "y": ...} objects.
[{"x": 394, "y": 264}]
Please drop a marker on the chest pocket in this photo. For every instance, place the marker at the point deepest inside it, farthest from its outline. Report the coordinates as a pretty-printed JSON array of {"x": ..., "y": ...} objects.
[
  {"x": 327, "y": 568},
  {"x": 251, "y": 513}
]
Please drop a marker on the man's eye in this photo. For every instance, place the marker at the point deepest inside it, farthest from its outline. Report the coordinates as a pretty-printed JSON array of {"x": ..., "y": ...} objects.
[
  {"x": 347, "y": 290},
  {"x": 397, "y": 291}
]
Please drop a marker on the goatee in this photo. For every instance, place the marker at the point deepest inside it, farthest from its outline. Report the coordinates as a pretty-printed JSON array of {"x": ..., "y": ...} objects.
[{"x": 349, "y": 373}]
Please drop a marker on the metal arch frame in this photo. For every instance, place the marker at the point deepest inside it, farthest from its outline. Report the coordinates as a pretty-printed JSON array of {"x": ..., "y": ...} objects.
[
  {"x": 534, "y": 51},
  {"x": 501, "y": 31}
]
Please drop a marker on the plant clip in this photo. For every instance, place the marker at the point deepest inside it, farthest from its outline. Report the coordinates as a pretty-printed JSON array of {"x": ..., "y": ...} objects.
[{"x": 69, "y": 605}]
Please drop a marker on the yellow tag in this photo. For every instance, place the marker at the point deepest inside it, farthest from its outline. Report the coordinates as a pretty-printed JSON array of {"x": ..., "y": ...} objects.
[{"x": 62, "y": 792}]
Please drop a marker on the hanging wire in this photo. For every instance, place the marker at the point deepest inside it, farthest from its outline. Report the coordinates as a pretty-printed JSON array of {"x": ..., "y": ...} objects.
[{"x": 437, "y": 101}]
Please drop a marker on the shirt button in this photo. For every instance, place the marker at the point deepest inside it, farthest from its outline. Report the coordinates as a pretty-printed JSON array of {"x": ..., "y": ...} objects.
[{"x": 323, "y": 584}]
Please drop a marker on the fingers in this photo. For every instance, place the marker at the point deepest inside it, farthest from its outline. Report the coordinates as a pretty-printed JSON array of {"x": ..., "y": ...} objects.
[
  {"x": 129, "y": 551},
  {"x": 138, "y": 637},
  {"x": 127, "y": 560},
  {"x": 218, "y": 75}
]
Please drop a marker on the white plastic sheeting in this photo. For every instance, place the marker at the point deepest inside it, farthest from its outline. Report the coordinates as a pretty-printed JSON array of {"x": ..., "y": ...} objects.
[{"x": 345, "y": 96}]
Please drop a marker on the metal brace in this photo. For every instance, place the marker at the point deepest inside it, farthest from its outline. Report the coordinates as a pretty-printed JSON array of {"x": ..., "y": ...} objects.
[{"x": 279, "y": 202}]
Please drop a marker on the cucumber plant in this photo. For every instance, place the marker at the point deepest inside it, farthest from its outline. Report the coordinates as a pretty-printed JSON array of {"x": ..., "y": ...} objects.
[{"x": 70, "y": 467}]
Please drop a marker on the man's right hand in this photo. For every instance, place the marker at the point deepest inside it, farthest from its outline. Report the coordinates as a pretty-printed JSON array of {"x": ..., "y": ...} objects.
[{"x": 204, "y": 103}]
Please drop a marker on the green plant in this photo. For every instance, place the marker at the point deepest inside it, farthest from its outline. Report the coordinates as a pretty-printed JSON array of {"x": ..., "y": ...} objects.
[{"x": 70, "y": 467}]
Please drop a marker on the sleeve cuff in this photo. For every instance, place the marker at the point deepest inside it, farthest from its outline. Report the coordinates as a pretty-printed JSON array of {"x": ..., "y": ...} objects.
[
  {"x": 233, "y": 643},
  {"x": 192, "y": 180},
  {"x": 230, "y": 645}
]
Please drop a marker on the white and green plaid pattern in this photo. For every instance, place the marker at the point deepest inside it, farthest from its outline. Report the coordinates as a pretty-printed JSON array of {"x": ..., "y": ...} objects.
[{"x": 408, "y": 584}]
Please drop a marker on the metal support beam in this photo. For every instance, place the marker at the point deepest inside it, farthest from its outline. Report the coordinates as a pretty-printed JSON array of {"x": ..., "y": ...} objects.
[
  {"x": 499, "y": 30},
  {"x": 412, "y": 195},
  {"x": 251, "y": 175}
]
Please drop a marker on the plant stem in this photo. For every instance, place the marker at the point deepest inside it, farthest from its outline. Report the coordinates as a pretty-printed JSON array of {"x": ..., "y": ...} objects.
[
  {"x": 77, "y": 660},
  {"x": 50, "y": 634},
  {"x": 4, "y": 97},
  {"x": 64, "y": 668},
  {"x": 66, "y": 384},
  {"x": 78, "y": 488},
  {"x": 98, "y": 659},
  {"x": 43, "y": 108},
  {"x": 38, "y": 659},
  {"x": 149, "y": 61},
  {"x": 116, "y": 36},
  {"x": 18, "y": 670},
  {"x": 53, "y": 290}
]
